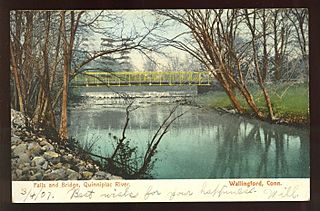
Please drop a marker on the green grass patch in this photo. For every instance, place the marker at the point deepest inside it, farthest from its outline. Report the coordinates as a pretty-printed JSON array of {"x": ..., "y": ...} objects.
[{"x": 290, "y": 101}]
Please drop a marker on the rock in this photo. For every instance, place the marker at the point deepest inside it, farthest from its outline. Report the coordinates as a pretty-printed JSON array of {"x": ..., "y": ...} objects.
[
  {"x": 21, "y": 148},
  {"x": 113, "y": 177},
  {"x": 87, "y": 174},
  {"x": 45, "y": 165},
  {"x": 64, "y": 158},
  {"x": 43, "y": 143},
  {"x": 46, "y": 146},
  {"x": 34, "y": 149},
  {"x": 20, "y": 166},
  {"x": 26, "y": 170},
  {"x": 17, "y": 118},
  {"x": 81, "y": 168},
  {"x": 55, "y": 160},
  {"x": 23, "y": 178},
  {"x": 76, "y": 160},
  {"x": 57, "y": 174},
  {"x": 50, "y": 155},
  {"x": 27, "y": 139},
  {"x": 36, "y": 176},
  {"x": 24, "y": 158},
  {"x": 14, "y": 163},
  {"x": 73, "y": 175},
  {"x": 19, "y": 172},
  {"x": 67, "y": 165},
  {"x": 34, "y": 170},
  {"x": 15, "y": 140},
  {"x": 38, "y": 161},
  {"x": 89, "y": 166},
  {"x": 60, "y": 172},
  {"x": 100, "y": 175},
  {"x": 34, "y": 157},
  {"x": 67, "y": 158},
  {"x": 57, "y": 166}
]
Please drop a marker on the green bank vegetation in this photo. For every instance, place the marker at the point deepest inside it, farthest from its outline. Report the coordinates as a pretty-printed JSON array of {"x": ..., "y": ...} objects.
[{"x": 290, "y": 102}]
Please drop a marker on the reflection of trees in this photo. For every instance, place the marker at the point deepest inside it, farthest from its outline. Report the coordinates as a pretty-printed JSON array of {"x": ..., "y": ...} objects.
[
  {"x": 230, "y": 161},
  {"x": 263, "y": 167},
  {"x": 280, "y": 163},
  {"x": 250, "y": 148}
]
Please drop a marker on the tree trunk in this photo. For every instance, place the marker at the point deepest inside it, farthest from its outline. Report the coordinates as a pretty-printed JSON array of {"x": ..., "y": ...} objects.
[
  {"x": 37, "y": 111},
  {"x": 277, "y": 67},
  {"x": 63, "y": 131},
  {"x": 67, "y": 56},
  {"x": 251, "y": 102},
  {"x": 265, "y": 52},
  {"x": 230, "y": 92},
  {"x": 17, "y": 80},
  {"x": 233, "y": 99}
]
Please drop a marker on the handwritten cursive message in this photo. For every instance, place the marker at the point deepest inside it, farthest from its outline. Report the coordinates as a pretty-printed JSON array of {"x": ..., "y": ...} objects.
[{"x": 161, "y": 190}]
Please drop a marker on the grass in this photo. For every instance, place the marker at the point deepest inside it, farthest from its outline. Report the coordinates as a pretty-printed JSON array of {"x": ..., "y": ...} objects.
[{"x": 290, "y": 101}]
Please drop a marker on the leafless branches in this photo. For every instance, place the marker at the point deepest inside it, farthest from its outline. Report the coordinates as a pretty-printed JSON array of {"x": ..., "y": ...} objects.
[
  {"x": 240, "y": 46},
  {"x": 46, "y": 56}
]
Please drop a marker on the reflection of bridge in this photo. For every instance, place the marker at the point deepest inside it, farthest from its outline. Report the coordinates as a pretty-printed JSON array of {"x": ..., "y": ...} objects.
[{"x": 141, "y": 79}]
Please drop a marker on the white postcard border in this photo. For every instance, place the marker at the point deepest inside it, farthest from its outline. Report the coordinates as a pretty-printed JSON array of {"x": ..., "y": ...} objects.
[{"x": 163, "y": 190}]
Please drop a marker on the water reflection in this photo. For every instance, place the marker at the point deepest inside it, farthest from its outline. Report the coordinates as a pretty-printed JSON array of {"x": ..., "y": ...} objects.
[
  {"x": 250, "y": 148},
  {"x": 203, "y": 143}
]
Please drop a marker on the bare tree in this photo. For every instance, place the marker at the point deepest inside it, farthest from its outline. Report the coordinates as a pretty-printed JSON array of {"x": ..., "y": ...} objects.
[
  {"x": 252, "y": 28},
  {"x": 44, "y": 49},
  {"x": 213, "y": 36},
  {"x": 68, "y": 43},
  {"x": 214, "y": 32},
  {"x": 299, "y": 18}
]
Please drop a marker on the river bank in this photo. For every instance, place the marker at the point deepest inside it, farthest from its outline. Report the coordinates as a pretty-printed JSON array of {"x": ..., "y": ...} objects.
[
  {"x": 37, "y": 155},
  {"x": 290, "y": 104}
]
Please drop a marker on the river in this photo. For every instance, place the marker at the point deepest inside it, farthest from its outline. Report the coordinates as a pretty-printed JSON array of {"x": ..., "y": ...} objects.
[{"x": 201, "y": 144}]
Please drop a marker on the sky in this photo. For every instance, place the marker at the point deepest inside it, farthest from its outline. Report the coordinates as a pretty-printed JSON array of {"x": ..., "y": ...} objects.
[{"x": 137, "y": 20}]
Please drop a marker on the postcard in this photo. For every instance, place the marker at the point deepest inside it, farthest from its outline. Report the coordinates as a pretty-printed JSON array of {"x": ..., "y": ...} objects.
[{"x": 166, "y": 105}]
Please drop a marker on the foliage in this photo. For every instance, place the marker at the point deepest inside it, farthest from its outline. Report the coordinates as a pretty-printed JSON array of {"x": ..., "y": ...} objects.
[{"x": 290, "y": 102}]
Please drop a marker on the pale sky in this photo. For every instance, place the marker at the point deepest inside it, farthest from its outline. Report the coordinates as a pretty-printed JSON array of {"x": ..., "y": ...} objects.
[
  {"x": 137, "y": 20},
  {"x": 133, "y": 20}
]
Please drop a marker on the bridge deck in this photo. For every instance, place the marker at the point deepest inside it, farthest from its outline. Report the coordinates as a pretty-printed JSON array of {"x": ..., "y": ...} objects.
[{"x": 141, "y": 79}]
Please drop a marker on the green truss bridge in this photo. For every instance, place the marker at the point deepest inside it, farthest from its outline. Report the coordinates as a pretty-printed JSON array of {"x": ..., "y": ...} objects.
[{"x": 141, "y": 79}]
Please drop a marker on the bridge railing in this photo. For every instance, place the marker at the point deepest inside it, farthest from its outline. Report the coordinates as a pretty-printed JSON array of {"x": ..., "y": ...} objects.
[{"x": 141, "y": 78}]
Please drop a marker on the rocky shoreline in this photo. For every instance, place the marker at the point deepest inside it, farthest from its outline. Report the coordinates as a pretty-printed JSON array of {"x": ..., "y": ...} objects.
[{"x": 35, "y": 156}]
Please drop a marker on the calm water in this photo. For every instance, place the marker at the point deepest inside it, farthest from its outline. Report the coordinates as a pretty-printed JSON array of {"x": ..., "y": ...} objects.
[{"x": 201, "y": 144}]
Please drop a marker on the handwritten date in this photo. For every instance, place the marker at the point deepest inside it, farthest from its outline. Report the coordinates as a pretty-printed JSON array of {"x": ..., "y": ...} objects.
[{"x": 31, "y": 194}]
